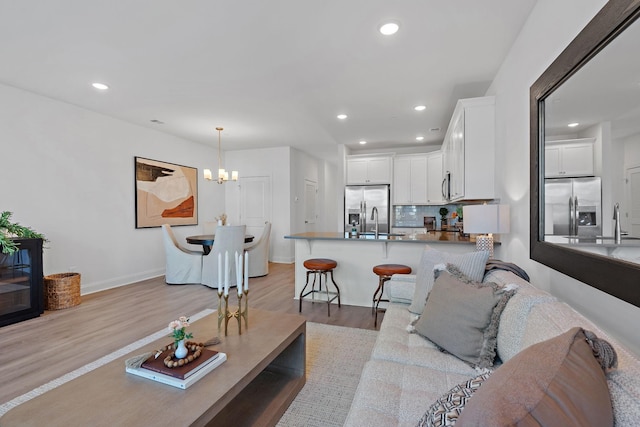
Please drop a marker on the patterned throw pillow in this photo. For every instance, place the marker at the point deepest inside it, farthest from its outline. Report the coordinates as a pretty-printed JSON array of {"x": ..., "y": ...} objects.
[{"x": 445, "y": 410}]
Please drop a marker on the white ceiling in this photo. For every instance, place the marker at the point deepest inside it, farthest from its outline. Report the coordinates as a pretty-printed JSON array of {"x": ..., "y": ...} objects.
[{"x": 271, "y": 72}]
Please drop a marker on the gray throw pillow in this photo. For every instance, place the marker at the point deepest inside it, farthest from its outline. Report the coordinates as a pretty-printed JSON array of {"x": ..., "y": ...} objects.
[
  {"x": 462, "y": 317},
  {"x": 471, "y": 264}
]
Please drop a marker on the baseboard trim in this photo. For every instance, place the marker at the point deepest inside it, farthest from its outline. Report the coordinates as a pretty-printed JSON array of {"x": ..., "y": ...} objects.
[{"x": 116, "y": 282}]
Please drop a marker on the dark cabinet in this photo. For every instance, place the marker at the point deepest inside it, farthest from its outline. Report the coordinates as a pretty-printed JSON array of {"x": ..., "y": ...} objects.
[{"x": 21, "y": 282}]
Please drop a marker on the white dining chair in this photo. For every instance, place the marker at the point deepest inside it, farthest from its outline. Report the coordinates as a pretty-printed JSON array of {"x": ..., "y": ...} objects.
[
  {"x": 183, "y": 266},
  {"x": 259, "y": 253},
  {"x": 229, "y": 238}
]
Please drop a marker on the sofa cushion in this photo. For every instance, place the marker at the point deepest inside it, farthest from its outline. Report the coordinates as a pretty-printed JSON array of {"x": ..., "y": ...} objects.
[
  {"x": 446, "y": 409},
  {"x": 396, "y": 394},
  {"x": 396, "y": 344},
  {"x": 462, "y": 317},
  {"x": 514, "y": 315},
  {"x": 556, "y": 382},
  {"x": 472, "y": 264}
]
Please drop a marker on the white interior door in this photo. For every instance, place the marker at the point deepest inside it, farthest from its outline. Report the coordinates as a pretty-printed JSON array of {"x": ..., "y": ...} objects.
[
  {"x": 310, "y": 204},
  {"x": 255, "y": 203},
  {"x": 633, "y": 194}
]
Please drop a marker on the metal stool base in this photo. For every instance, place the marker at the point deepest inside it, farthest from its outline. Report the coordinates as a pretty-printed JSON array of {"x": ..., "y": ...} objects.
[
  {"x": 331, "y": 295},
  {"x": 377, "y": 297}
]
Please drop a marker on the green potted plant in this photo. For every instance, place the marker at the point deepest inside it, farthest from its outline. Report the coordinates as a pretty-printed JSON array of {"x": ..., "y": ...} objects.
[
  {"x": 9, "y": 229},
  {"x": 443, "y": 216}
]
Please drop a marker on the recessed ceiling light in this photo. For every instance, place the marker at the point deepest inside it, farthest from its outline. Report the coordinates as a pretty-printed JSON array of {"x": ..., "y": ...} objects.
[
  {"x": 389, "y": 28},
  {"x": 363, "y": 142},
  {"x": 572, "y": 125},
  {"x": 420, "y": 107},
  {"x": 341, "y": 116},
  {"x": 419, "y": 138},
  {"x": 100, "y": 86}
]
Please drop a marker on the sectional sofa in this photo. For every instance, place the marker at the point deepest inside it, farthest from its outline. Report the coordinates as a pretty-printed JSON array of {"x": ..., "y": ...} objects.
[{"x": 408, "y": 373}]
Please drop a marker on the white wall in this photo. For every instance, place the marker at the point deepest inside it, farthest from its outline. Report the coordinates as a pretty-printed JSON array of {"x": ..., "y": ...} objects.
[
  {"x": 331, "y": 196},
  {"x": 288, "y": 169},
  {"x": 274, "y": 163},
  {"x": 303, "y": 167},
  {"x": 69, "y": 173},
  {"x": 630, "y": 159},
  {"x": 550, "y": 28}
]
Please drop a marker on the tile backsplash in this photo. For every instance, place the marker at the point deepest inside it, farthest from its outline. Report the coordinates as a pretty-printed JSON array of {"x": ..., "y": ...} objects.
[{"x": 412, "y": 216}]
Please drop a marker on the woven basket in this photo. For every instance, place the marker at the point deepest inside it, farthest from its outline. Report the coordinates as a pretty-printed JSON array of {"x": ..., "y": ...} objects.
[{"x": 61, "y": 290}]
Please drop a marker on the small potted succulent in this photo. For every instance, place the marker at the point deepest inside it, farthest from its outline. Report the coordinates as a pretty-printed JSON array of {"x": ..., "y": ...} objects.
[{"x": 9, "y": 230}]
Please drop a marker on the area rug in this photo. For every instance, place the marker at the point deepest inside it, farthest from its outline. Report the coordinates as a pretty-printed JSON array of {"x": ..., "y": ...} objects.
[{"x": 335, "y": 358}]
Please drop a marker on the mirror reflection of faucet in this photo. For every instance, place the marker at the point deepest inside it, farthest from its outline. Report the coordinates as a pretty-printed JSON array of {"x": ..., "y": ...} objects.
[{"x": 616, "y": 227}]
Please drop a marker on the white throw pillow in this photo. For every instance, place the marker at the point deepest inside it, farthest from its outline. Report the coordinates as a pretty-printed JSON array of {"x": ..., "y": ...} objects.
[{"x": 471, "y": 264}]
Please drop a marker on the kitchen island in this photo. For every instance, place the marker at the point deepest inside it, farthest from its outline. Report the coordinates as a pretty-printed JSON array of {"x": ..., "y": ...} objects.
[{"x": 356, "y": 257}]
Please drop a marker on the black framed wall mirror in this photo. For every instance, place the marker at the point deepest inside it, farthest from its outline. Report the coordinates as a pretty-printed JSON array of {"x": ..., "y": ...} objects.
[{"x": 593, "y": 85}]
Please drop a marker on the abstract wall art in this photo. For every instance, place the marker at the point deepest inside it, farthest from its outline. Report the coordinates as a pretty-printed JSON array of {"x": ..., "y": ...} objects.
[{"x": 166, "y": 193}]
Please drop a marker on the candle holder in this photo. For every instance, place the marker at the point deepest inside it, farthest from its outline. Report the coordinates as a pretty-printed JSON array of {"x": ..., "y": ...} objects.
[{"x": 239, "y": 314}]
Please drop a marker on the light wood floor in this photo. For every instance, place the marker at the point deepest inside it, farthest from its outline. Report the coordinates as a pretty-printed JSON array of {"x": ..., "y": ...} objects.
[{"x": 38, "y": 350}]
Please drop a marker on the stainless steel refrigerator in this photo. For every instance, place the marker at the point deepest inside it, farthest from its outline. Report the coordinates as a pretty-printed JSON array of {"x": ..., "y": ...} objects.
[
  {"x": 359, "y": 201},
  {"x": 573, "y": 207}
]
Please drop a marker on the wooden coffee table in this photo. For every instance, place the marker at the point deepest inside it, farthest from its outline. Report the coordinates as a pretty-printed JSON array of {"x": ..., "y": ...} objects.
[{"x": 264, "y": 371}]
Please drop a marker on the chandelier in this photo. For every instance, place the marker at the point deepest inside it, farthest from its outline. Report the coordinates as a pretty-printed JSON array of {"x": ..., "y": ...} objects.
[{"x": 223, "y": 175}]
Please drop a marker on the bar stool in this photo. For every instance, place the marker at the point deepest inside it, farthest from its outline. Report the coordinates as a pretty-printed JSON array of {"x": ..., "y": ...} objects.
[
  {"x": 320, "y": 267},
  {"x": 384, "y": 273}
]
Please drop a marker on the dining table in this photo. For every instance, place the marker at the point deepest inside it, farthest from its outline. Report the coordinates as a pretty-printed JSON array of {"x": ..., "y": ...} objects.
[{"x": 206, "y": 240}]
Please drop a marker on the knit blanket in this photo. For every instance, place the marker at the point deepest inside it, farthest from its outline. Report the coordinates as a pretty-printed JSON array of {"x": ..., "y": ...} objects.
[{"x": 496, "y": 264}]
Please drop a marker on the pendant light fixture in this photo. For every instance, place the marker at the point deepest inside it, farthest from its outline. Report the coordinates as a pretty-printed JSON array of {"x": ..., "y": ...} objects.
[{"x": 223, "y": 175}]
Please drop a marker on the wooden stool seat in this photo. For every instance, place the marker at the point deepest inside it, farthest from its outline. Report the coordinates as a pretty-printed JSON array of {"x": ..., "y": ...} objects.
[
  {"x": 320, "y": 264},
  {"x": 391, "y": 269},
  {"x": 319, "y": 267},
  {"x": 384, "y": 273}
]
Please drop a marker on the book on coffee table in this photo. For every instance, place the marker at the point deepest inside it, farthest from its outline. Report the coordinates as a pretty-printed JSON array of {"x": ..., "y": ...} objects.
[
  {"x": 194, "y": 374},
  {"x": 156, "y": 364}
]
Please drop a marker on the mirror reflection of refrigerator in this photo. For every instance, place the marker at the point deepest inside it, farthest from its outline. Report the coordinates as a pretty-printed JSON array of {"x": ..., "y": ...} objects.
[
  {"x": 573, "y": 207},
  {"x": 359, "y": 201}
]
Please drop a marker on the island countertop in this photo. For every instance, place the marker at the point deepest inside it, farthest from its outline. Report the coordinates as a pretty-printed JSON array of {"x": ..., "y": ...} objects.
[
  {"x": 429, "y": 237},
  {"x": 356, "y": 257}
]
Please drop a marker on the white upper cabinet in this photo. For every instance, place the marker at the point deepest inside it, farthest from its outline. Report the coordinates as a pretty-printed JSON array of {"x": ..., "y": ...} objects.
[
  {"x": 569, "y": 158},
  {"x": 417, "y": 179},
  {"x": 410, "y": 179},
  {"x": 469, "y": 151},
  {"x": 434, "y": 178},
  {"x": 369, "y": 170}
]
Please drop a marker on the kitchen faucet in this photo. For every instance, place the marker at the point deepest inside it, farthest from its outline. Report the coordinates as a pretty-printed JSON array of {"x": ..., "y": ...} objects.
[
  {"x": 374, "y": 213},
  {"x": 617, "y": 235}
]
